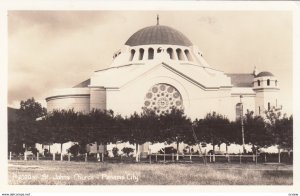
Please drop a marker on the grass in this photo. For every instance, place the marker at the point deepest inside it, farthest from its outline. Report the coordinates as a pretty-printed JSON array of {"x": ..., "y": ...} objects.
[{"x": 91, "y": 173}]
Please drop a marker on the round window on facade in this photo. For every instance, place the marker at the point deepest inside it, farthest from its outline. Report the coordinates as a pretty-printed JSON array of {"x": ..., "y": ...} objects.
[{"x": 163, "y": 97}]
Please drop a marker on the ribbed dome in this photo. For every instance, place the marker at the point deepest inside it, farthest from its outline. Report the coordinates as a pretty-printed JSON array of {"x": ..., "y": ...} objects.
[
  {"x": 264, "y": 73},
  {"x": 158, "y": 34}
]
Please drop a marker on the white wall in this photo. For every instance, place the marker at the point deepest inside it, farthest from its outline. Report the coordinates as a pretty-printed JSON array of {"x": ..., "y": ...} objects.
[{"x": 69, "y": 98}]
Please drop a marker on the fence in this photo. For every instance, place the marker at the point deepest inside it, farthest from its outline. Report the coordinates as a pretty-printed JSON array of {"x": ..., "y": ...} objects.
[{"x": 282, "y": 157}]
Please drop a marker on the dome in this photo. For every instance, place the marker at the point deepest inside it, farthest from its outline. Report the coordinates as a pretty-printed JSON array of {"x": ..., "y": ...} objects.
[
  {"x": 158, "y": 34},
  {"x": 264, "y": 73}
]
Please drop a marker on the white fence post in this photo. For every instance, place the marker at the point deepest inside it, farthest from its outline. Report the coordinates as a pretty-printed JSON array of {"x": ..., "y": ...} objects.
[
  {"x": 61, "y": 156},
  {"x": 156, "y": 157},
  {"x": 37, "y": 156},
  {"x": 255, "y": 156},
  {"x": 265, "y": 157},
  {"x": 69, "y": 156},
  {"x": 191, "y": 157},
  {"x": 53, "y": 155},
  {"x": 172, "y": 157},
  {"x": 10, "y": 156},
  {"x": 85, "y": 159},
  {"x": 240, "y": 156},
  {"x": 279, "y": 155},
  {"x": 205, "y": 154},
  {"x": 25, "y": 156},
  {"x": 98, "y": 157}
]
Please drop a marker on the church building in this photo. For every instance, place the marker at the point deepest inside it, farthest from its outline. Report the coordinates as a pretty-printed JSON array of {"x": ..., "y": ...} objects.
[{"x": 159, "y": 68}]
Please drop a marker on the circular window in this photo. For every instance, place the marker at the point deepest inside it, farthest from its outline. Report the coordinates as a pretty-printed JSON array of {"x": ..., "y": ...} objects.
[{"x": 163, "y": 98}]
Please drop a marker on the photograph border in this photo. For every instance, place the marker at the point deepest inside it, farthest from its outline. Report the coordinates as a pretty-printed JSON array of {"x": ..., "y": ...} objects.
[{"x": 145, "y": 5}]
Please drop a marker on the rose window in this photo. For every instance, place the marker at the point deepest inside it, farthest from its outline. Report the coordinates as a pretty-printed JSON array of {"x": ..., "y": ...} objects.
[{"x": 162, "y": 98}]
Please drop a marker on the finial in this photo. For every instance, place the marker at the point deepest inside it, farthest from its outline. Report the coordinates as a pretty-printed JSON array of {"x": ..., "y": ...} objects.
[
  {"x": 255, "y": 71},
  {"x": 157, "y": 18}
]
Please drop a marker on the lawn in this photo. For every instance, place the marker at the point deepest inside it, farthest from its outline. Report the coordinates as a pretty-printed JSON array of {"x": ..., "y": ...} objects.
[{"x": 92, "y": 173}]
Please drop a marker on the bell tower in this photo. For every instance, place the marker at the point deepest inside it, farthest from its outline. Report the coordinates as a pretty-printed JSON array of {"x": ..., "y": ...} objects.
[{"x": 266, "y": 87}]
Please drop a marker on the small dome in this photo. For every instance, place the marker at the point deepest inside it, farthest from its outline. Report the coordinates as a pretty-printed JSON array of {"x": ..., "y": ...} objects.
[
  {"x": 264, "y": 73},
  {"x": 158, "y": 34}
]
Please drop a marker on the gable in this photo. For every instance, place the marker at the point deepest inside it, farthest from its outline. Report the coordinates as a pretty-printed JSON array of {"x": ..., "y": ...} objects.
[{"x": 203, "y": 77}]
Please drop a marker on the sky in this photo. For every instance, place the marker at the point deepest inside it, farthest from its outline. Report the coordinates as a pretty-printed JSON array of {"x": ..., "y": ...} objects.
[{"x": 59, "y": 49}]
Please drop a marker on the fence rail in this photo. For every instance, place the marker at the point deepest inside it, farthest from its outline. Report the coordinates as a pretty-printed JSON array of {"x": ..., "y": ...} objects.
[{"x": 165, "y": 158}]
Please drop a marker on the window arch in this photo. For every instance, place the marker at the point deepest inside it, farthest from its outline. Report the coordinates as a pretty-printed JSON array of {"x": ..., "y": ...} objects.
[
  {"x": 258, "y": 82},
  {"x": 131, "y": 55},
  {"x": 150, "y": 53},
  {"x": 170, "y": 52},
  {"x": 179, "y": 54},
  {"x": 188, "y": 55},
  {"x": 141, "y": 55},
  {"x": 268, "y": 82}
]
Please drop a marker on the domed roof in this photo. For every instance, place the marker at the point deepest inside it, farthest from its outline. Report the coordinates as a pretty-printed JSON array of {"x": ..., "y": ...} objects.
[
  {"x": 158, "y": 34},
  {"x": 264, "y": 73}
]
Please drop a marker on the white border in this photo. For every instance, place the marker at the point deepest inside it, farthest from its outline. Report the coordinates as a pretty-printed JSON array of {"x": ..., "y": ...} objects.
[{"x": 142, "y": 5}]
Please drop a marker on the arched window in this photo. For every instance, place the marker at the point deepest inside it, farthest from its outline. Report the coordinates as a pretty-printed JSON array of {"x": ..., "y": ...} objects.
[
  {"x": 268, "y": 82},
  {"x": 179, "y": 54},
  {"x": 275, "y": 82},
  {"x": 170, "y": 52},
  {"x": 258, "y": 82},
  {"x": 238, "y": 111},
  {"x": 141, "y": 54},
  {"x": 150, "y": 53},
  {"x": 132, "y": 55},
  {"x": 188, "y": 55}
]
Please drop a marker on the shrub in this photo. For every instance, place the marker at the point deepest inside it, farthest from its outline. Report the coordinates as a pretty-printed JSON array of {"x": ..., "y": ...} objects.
[
  {"x": 115, "y": 151},
  {"x": 127, "y": 151}
]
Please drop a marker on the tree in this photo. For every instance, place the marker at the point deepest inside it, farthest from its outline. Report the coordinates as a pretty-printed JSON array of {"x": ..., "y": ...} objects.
[
  {"x": 24, "y": 129},
  {"x": 281, "y": 128},
  {"x": 213, "y": 129},
  {"x": 175, "y": 127},
  {"x": 256, "y": 133},
  {"x": 61, "y": 126},
  {"x": 31, "y": 110},
  {"x": 136, "y": 131},
  {"x": 284, "y": 133}
]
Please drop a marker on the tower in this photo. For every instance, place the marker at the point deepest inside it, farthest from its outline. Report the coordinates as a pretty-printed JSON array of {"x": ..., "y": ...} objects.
[{"x": 265, "y": 85}]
